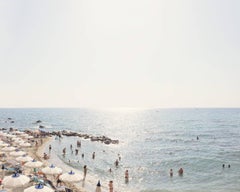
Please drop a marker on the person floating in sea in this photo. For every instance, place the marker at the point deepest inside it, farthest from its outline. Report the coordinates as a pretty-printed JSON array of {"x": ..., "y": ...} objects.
[
  {"x": 110, "y": 185},
  {"x": 180, "y": 171},
  {"x": 229, "y": 166},
  {"x": 171, "y": 172},
  {"x": 223, "y": 165},
  {"x": 98, "y": 188},
  {"x": 78, "y": 143},
  {"x": 93, "y": 155},
  {"x": 119, "y": 157},
  {"x": 84, "y": 172},
  {"x": 126, "y": 176},
  {"x": 82, "y": 155},
  {"x": 197, "y": 138},
  {"x": 76, "y": 151}
]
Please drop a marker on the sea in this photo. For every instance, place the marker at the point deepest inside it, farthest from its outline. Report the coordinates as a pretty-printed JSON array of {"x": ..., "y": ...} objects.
[{"x": 151, "y": 142}]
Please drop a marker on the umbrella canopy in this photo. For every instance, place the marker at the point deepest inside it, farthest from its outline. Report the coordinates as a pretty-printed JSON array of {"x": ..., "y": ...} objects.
[
  {"x": 18, "y": 140},
  {"x": 29, "y": 137},
  {"x": 10, "y": 136},
  {"x": 70, "y": 177},
  {"x": 33, "y": 164},
  {"x": 38, "y": 188},
  {"x": 25, "y": 145},
  {"x": 17, "y": 153},
  {"x": 23, "y": 135},
  {"x": 52, "y": 170},
  {"x": 3, "y": 144},
  {"x": 24, "y": 158},
  {"x": 8, "y": 149},
  {"x": 15, "y": 181}
]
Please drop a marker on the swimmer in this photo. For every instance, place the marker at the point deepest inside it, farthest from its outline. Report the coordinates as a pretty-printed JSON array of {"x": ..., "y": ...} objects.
[
  {"x": 93, "y": 155},
  {"x": 229, "y": 166},
  {"x": 116, "y": 163},
  {"x": 76, "y": 151},
  {"x": 126, "y": 176},
  {"x": 84, "y": 172},
  {"x": 223, "y": 165},
  {"x": 180, "y": 171},
  {"x": 171, "y": 172}
]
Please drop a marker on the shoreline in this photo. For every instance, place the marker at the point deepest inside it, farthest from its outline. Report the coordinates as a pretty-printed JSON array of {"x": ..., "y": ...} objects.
[{"x": 37, "y": 153}]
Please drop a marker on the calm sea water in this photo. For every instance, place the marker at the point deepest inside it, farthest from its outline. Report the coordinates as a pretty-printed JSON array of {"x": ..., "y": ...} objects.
[{"x": 151, "y": 143}]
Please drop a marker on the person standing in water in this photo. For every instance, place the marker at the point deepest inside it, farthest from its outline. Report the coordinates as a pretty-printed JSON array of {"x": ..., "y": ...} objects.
[
  {"x": 84, "y": 172},
  {"x": 110, "y": 185},
  {"x": 126, "y": 176}
]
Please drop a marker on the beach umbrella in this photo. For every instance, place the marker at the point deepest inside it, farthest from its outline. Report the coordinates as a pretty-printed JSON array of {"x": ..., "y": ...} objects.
[
  {"x": 8, "y": 149},
  {"x": 24, "y": 158},
  {"x": 15, "y": 181},
  {"x": 70, "y": 177},
  {"x": 19, "y": 141},
  {"x": 33, "y": 164},
  {"x": 10, "y": 136},
  {"x": 29, "y": 137},
  {"x": 17, "y": 153},
  {"x": 38, "y": 188},
  {"x": 17, "y": 132},
  {"x": 52, "y": 170},
  {"x": 3, "y": 144},
  {"x": 23, "y": 135},
  {"x": 25, "y": 144}
]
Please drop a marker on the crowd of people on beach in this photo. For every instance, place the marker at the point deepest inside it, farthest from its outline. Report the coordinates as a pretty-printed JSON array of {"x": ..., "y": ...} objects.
[{"x": 98, "y": 186}]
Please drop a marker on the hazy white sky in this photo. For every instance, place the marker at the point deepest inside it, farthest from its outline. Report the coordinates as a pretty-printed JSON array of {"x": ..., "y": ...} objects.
[{"x": 128, "y": 53}]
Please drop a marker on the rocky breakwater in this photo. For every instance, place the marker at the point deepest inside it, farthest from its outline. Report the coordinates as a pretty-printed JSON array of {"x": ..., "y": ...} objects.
[{"x": 103, "y": 139}]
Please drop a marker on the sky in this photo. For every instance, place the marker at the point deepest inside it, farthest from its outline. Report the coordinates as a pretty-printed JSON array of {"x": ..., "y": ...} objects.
[{"x": 128, "y": 53}]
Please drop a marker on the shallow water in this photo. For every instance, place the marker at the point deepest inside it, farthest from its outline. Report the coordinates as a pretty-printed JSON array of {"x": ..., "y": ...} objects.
[{"x": 151, "y": 143}]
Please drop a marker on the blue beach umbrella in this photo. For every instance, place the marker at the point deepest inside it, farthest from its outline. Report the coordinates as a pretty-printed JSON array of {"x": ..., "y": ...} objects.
[
  {"x": 38, "y": 188},
  {"x": 71, "y": 177},
  {"x": 52, "y": 170},
  {"x": 15, "y": 181}
]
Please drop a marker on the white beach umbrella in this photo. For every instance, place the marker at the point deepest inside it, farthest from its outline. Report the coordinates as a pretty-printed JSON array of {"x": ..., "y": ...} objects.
[
  {"x": 17, "y": 132},
  {"x": 16, "y": 138},
  {"x": 52, "y": 170},
  {"x": 14, "y": 181},
  {"x": 8, "y": 149},
  {"x": 17, "y": 153},
  {"x": 23, "y": 135},
  {"x": 29, "y": 137},
  {"x": 10, "y": 136},
  {"x": 3, "y": 144},
  {"x": 25, "y": 144},
  {"x": 24, "y": 158},
  {"x": 70, "y": 177},
  {"x": 38, "y": 188},
  {"x": 33, "y": 164},
  {"x": 19, "y": 141}
]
